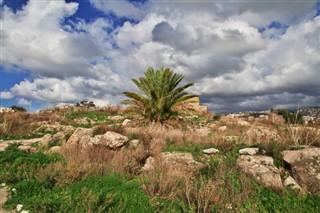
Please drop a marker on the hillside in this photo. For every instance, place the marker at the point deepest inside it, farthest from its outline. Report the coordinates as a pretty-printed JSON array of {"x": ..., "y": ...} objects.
[{"x": 89, "y": 159}]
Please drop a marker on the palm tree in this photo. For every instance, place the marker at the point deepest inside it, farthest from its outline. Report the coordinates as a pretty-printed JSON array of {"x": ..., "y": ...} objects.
[{"x": 160, "y": 96}]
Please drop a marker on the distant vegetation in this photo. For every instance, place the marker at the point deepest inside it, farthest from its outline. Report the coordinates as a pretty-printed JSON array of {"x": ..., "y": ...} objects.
[
  {"x": 160, "y": 95},
  {"x": 18, "y": 109}
]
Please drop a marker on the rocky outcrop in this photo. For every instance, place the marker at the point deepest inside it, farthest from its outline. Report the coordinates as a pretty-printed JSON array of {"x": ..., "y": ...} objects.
[
  {"x": 262, "y": 169},
  {"x": 305, "y": 166},
  {"x": 210, "y": 151},
  {"x": 46, "y": 140},
  {"x": 81, "y": 136},
  {"x": 249, "y": 151},
  {"x": 111, "y": 140},
  {"x": 176, "y": 163}
]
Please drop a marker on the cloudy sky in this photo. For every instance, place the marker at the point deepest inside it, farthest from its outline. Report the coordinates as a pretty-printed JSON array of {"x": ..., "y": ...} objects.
[{"x": 241, "y": 55}]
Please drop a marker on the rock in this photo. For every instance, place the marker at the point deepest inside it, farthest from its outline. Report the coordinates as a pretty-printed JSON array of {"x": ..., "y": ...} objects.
[
  {"x": 305, "y": 165},
  {"x": 27, "y": 148},
  {"x": 248, "y": 151},
  {"x": 210, "y": 151},
  {"x": 134, "y": 143},
  {"x": 110, "y": 139},
  {"x": 222, "y": 128},
  {"x": 126, "y": 122},
  {"x": 58, "y": 136},
  {"x": 204, "y": 131},
  {"x": 262, "y": 169},
  {"x": 243, "y": 123},
  {"x": 194, "y": 105},
  {"x": 55, "y": 149},
  {"x": 80, "y": 137},
  {"x": 116, "y": 118},
  {"x": 290, "y": 182},
  {"x": 19, "y": 207},
  {"x": 62, "y": 106},
  {"x": 177, "y": 163},
  {"x": 46, "y": 140}
]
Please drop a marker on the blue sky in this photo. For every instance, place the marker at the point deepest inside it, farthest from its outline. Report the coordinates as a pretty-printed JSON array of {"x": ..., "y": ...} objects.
[{"x": 241, "y": 55}]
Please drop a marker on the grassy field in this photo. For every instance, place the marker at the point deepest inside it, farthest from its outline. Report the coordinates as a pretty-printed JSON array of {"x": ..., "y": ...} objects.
[{"x": 102, "y": 180}]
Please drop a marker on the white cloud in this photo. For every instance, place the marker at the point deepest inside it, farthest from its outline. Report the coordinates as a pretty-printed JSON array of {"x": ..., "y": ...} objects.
[
  {"x": 24, "y": 102},
  {"x": 119, "y": 8},
  {"x": 217, "y": 45},
  {"x": 6, "y": 95}
]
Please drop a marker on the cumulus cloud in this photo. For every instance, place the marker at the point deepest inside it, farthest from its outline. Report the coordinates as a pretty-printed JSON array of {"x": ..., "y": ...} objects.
[
  {"x": 24, "y": 102},
  {"x": 33, "y": 39},
  {"x": 6, "y": 95},
  {"x": 218, "y": 45}
]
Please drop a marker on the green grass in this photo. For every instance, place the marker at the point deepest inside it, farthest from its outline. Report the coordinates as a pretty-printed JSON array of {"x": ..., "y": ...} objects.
[
  {"x": 17, "y": 165},
  {"x": 102, "y": 194}
]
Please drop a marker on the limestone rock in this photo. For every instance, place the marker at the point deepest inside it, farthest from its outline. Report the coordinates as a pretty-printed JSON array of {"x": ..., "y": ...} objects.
[
  {"x": 262, "y": 169},
  {"x": 81, "y": 136},
  {"x": 134, "y": 143},
  {"x": 126, "y": 122},
  {"x": 55, "y": 149},
  {"x": 210, "y": 151},
  {"x": 177, "y": 163},
  {"x": 249, "y": 151},
  {"x": 46, "y": 140},
  {"x": 27, "y": 148},
  {"x": 222, "y": 128},
  {"x": 305, "y": 165},
  {"x": 110, "y": 139},
  {"x": 290, "y": 182}
]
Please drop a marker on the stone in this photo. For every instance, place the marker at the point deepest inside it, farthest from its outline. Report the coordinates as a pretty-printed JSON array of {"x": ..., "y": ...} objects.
[
  {"x": 19, "y": 207},
  {"x": 193, "y": 105},
  {"x": 305, "y": 166},
  {"x": 110, "y": 139},
  {"x": 81, "y": 136},
  {"x": 222, "y": 128},
  {"x": 180, "y": 164},
  {"x": 249, "y": 151},
  {"x": 126, "y": 122},
  {"x": 134, "y": 143},
  {"x": 46, "y": 140},
  {"x": 262, "y": 169},
  {"x": 210, "y": 151},
  {"x": 27, "y": 148},
  {"x": 55, "y": 149},
  {"x": 62, "y": 106},
  {"x": 243, "y": 123},
  {"x": 290, "y": 182}
]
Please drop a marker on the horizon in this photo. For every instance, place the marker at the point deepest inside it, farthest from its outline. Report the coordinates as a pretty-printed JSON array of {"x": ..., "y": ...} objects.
[{"x": 242, "y": 56}]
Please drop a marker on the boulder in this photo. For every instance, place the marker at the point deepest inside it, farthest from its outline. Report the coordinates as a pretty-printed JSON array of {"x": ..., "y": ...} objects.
[
  {"x": 262, "y": 169},
  {"x": 110, "y": 139},
  {"x": 177, "y": 163},
  {"x": 81, "y": 136},
  {"x": 55, "y": 149},
  {"x": 134, "y": 143},
  {"x": 222, "y": 128},
  {"x": 27, "y": 148},
  {"x": 249, "y": 151},
  {"x": 210, "y": 151},
  {"x": 290, "y": 182},
  {"x": 46, "y": 140},
  {"x": 126, "y": 122},
  {"x": 305, "y": 165}
]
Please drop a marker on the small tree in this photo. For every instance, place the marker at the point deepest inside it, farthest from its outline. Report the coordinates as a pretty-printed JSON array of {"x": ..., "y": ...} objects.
[{"x": 160, "y": 96}]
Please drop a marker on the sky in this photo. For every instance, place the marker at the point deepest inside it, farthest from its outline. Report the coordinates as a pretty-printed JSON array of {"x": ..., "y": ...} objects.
[{"x": 241, "y": 55}]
